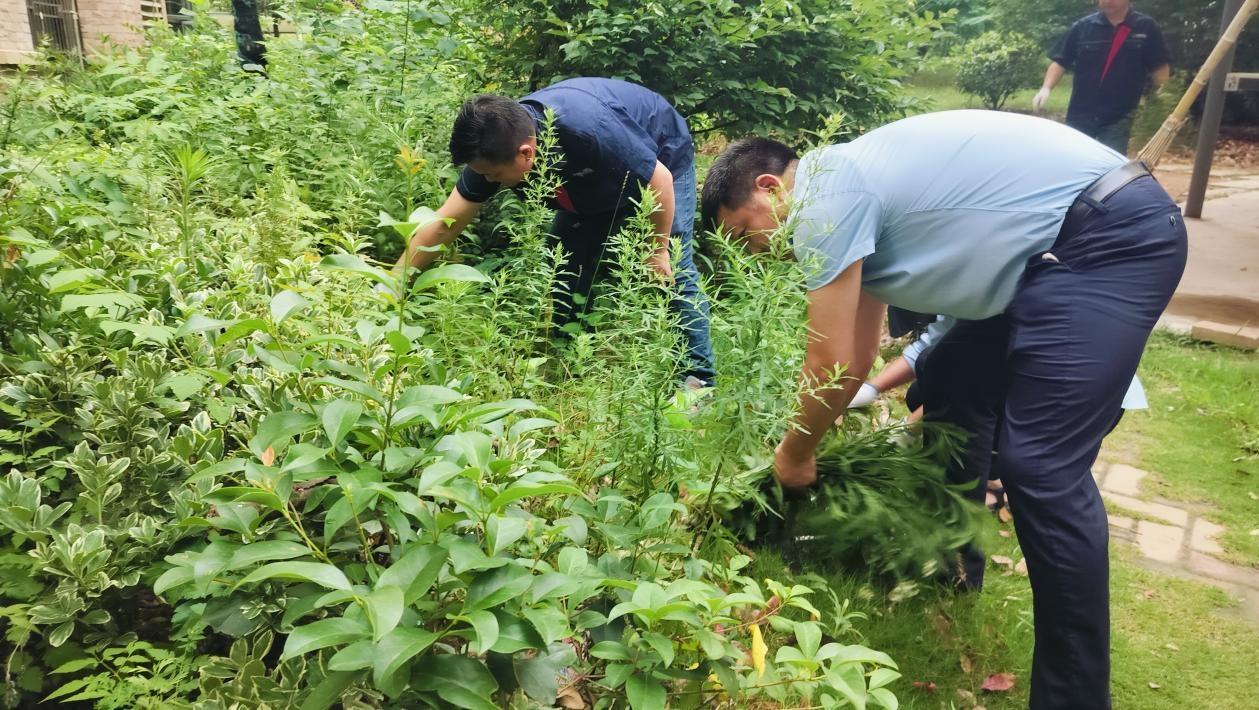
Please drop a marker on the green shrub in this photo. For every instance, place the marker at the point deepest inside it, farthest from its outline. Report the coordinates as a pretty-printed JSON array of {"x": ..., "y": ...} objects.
[
  {"x": 737, "y": 67},
  {"x": 236, "y": 476},
  {"x": 994, "y": 66}
]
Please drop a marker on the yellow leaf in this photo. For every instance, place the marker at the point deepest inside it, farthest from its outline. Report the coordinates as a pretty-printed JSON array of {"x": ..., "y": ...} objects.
[{"x": 759, "y": 649}]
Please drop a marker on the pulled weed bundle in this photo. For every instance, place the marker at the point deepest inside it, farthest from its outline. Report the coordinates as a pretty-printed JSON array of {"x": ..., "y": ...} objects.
[{"x": 878, "y": 505}]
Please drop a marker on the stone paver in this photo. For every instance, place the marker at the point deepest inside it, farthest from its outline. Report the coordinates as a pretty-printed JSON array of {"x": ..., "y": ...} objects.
[
  {"x": 1167, "y": 513},
  {"x": 1121, "y": 522},
  {"x": 1202, "y": 537},
  {"x": 1208, "y": 566},
  {"x": 1226, "y": 334},
  {"x": 1124, "y": 480},
  {"x": 1181, "y": 541},
  {"x": 1160, "y": 542}
]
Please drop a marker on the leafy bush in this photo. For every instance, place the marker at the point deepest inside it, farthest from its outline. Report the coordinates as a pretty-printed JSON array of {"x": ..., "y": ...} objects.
[
  {"x": 239, "y": 477},
  {"x": 994, "y": 66},
  {"x": 767, "y": 65}
]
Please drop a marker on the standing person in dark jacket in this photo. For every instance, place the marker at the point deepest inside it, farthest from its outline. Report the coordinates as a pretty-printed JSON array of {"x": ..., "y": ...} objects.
[
  {"x": 1113, "y": 53},
  {"x": 613, "y": 138}
]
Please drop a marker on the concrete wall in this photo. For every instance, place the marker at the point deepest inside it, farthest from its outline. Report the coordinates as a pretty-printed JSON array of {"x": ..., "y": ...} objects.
[
  {"x": 122, "y": 21},
  {"x": 16, "y": 45}
]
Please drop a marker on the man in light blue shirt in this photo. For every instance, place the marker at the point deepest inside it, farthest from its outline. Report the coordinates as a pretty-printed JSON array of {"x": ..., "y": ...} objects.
[{"x": 1055, "y": 256}]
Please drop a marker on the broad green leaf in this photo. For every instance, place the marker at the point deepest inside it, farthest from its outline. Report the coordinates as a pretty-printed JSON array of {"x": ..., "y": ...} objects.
[
  {"x": 70, "y": 279},
  {"x": 184, "y": 385},
  {"x": 475, "y": 448},
  {"x": 538, "y": 676},
  {"x": 354, "y": 264},
  {"x": 395, "y": 649},
  {"x": 449, "y": 272},
  {"x": 339, "y": 417},
  {"x": 41, "y": 257},
  {"x": 885, "y": 698},
  {"x": 245, "y": 494},
  {"x": 302, "y": 455},
  {"x": 256, "y": 552},
  {"x": 199, "y": 323},
  {"x": 485, "y": 624},
  {"x": 285, "y": 304},
  {"x": 322, "y": 634},
  {"x": 111, "y": 300},
  {"x": 280, "y": 426},
  {"x": 504, "y": 531},
  {"x": 610, "y": 651},
  {"x": 436, "y": 474},
  {"x": 416, "y": 572},
  {"x": 661, "y": 645},
  {"x": 329, "y": 691},
  {"x": 515, "y": 634},
  {"x": 644, "y": 692},
  {"x": 240, "y": 329},
  {"x": 459, "y": 680},
  {"x": 848, "y": 681},
  {"x": 384, "y": 609},
  {"x": 322, "y": 574},
  {"x": 495, "y": 586},
  {"x": 171, "y": 578},
  {"x": 354, "y": 657},
  {"x": 75, "y": 665},
  {"x": 882, "y": 676},
  {"x": 158, "y": 334},
  {"x": 517, "y": 491},
  {"x": 360, "y": 388},
  {"x": 550, "y": 621},
  {"x": 525, "y": 426}
]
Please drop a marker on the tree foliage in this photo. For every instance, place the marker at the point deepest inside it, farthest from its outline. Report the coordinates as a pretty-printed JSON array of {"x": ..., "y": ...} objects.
[
  {"x": 734, "y": 65},
  {"x": 994, "y": 66}
]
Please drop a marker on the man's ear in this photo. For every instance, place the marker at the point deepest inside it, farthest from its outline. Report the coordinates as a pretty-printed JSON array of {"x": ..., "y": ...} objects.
[
  {"x": 527, "y": 150},
  {"x": 768, "y": 182}
]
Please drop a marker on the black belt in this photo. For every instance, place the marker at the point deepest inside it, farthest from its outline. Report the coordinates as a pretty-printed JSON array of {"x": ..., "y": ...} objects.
[{"x": 1098, "y": 192}]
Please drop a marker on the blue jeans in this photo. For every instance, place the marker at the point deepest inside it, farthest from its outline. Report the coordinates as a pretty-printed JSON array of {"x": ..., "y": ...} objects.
[
  {"x": 584, "y": 238},
  {"x": 1042, "y": 384}
]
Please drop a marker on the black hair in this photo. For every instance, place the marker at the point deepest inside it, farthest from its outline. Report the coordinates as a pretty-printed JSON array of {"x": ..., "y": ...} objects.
[
  {"x": 489, "y": 128},
  {"x": 730, "y": 179}
]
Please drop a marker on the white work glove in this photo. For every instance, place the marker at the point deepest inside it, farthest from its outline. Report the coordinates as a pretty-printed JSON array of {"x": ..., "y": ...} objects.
[
  {"x": 865, "y": 396},
  {"x": 1038, "y": 101}
]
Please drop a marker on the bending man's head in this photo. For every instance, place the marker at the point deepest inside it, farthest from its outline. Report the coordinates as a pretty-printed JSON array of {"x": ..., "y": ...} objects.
[
  {"x": 747, "y": 188},
  {"x": 496, "y": 137}
]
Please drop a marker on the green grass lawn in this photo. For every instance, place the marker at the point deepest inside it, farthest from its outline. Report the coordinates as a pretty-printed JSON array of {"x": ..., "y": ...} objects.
[
  {"x": 1184, "y": 637},
  {"x": 1200, "y": 437},
  {"x": 936, "y": 90}
]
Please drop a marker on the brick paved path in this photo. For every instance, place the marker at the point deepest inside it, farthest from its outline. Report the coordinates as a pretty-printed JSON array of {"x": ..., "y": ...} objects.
[{"x": 1171, "y": 538}]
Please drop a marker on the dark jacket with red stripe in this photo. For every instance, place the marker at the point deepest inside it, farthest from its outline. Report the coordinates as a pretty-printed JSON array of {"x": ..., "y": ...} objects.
[{"x": 1112, "y": 64}]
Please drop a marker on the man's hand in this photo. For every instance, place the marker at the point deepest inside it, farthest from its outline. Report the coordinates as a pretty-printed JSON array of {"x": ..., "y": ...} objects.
[
  {"x": 793, "y": 471},
  {"x": 865, "y": 396},
  {"x": 1041, "y": 97},
  {"x": 659, "y": 263}
]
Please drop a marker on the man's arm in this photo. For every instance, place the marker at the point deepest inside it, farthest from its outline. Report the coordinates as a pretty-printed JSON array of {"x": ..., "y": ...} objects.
[
  {"x": 1161, "y": 74},
  {"x": 661, "y": 183},
  {"x": 846, "y": 325},
  {"x": 454, "y": 215}
]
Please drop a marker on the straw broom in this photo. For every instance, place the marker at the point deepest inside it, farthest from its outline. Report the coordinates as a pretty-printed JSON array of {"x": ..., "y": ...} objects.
[{"x": 1153, "y": 151}]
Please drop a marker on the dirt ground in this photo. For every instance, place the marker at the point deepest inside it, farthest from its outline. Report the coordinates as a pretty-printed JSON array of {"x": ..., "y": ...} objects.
[{"x": 1236, "y": 152}]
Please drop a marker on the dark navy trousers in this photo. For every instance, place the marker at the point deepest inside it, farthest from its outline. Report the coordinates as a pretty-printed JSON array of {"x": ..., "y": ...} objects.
[{"x": 1042, "y": 384}]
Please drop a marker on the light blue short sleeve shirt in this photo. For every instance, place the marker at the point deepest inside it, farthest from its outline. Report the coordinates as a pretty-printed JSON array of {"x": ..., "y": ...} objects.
[{"x": 945, "y": 208}]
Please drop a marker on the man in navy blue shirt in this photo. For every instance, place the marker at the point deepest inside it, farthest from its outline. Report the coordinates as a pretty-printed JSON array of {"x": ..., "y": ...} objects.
[
  {"x": 1113, "y": 53},
  {"x": 613, "y": 138}
]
